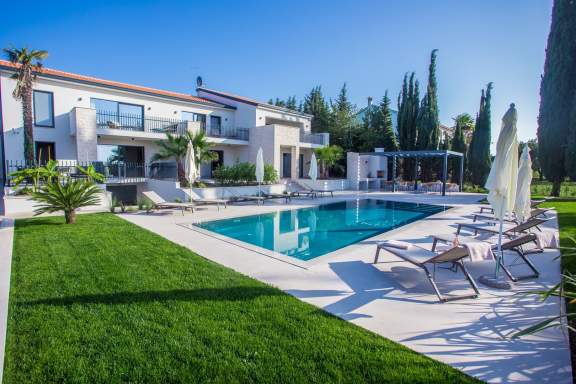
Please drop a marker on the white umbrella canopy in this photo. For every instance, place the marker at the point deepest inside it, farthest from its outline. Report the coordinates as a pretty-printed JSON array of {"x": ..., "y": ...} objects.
[
  {"x": 313, "y": 173},
  {"x": 502, "y": 181},
  {"x": 260, "y": 166},
  {"x": 522, "y": 204},
  {"x": 190, "y": 164},
  {"x": 503, "y": 176}
]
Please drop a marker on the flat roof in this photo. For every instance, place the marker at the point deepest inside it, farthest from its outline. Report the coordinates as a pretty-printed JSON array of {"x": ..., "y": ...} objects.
[{"x": 425, "y": 153}]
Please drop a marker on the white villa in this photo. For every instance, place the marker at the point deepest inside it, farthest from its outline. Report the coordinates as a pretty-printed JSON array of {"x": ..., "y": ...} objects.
[{"x": 85, "y": 119}]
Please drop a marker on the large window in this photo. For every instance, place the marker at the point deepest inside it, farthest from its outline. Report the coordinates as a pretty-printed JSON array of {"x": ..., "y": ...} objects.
[
  {"x": 115, "y": 114},
  {"x": 193, "y": 116},
  {"x": 43, "y": 109}
]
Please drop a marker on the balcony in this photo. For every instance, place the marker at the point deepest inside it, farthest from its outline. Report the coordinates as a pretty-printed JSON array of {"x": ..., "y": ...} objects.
[
  {"x": 314, "y": 138},
  {"x": 228, "y": 133},
  {"x": 138, "y": 123}
]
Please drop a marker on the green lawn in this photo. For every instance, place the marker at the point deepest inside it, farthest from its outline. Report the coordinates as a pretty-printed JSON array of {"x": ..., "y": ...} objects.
[
  {"x": 106, "y": 301},
  {"x": 567, "y": 222}
]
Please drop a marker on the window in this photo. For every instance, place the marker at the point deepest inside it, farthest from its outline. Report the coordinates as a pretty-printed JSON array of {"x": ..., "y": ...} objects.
[
  {"x": 44, "y": 152},
  {"x": 114, "y": 114},
  {"x": 43, "y": 109},
  {"x": 192, "y": 116}
]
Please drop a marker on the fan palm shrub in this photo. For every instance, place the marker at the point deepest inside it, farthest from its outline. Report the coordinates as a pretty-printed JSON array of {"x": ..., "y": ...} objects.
[
  {"x": 328, "y": 157},
  {"x": 174, "y": 147},
  {"x": 29, "y": 63},
  {"x": 203, "y": 152},
  {"x": 67, "y": 197}
]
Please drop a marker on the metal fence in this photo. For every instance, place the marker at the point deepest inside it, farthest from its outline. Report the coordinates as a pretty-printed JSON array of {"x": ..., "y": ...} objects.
[
  {"x": 132, "y": 122},
  {"x": 114, "y": 172},
  {"x": 228, "y": 132}
]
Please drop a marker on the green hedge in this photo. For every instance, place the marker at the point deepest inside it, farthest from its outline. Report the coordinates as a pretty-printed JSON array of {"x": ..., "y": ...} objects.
[{"x": 243, "y": 173}]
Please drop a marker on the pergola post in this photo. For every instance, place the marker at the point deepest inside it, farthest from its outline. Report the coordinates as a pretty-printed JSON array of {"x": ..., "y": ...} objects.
[
  {"x": 444, "y": 174},
  {"x": 416, "y": 174},
  {"x": 461, "y": 173},
  {"x": 393, "y": 173}
]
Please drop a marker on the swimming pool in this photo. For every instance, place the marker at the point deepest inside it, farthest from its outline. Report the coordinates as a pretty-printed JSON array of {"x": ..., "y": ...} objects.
[{"x": 306, "y": 233}]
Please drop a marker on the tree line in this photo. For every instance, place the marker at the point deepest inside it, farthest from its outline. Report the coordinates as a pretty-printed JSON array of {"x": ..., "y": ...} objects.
[{"x": 417, "y": 122}]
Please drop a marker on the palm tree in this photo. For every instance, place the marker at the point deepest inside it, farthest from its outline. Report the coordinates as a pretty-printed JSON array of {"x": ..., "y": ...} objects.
[
  {"x": 328, "y": 157},
  {"x": 30, "y": 62},
  {"x": 174, "y": 147},
  {"x": 202, "y": 149},
  {"x": 67, "y": 197}
]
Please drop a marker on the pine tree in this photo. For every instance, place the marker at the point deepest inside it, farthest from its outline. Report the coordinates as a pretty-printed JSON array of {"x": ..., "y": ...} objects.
[
  {"x": 389, "y": 142},
  {"x": 271, "y": 101},
  {"x": 291, "y": 103},
  {"x": 479, "y": 153},
  {"x": 428, "y": 124},
  {"x": 342, "y": 129},
  {"x": 556, "y": 125},
  {"x": 315, "y": 105}
]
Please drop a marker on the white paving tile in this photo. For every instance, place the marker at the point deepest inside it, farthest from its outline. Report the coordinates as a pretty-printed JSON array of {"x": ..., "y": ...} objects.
[{"x": 395, "y": 300}]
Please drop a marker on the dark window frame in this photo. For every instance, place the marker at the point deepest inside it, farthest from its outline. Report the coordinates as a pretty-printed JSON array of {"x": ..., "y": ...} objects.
[
  {"x": 34, "y": 91},
  {"x": 118, "y": 103}
]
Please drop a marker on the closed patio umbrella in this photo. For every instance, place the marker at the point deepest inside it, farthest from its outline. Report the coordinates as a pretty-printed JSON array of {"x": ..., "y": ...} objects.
[
  {"x": 190, "y": 166},
  {"x": 259, "y": 169},
  {"x": 313, "y": 173},
  {"x": 502, "y": 181},
  {"x": 522, "y": 204}
]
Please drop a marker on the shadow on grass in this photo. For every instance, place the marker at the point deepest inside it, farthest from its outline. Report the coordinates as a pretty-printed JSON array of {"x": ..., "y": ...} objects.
[{"x": 203, "y": 294}]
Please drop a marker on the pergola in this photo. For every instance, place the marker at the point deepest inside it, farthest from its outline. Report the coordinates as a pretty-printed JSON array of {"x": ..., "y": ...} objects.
[{"x": 443, "y": 154}]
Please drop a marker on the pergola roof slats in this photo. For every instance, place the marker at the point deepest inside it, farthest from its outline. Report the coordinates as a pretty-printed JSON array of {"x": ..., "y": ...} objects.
[{"x": 431, "y": 153}]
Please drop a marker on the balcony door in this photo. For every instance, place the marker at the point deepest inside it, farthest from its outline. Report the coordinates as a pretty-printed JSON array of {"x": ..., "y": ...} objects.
[
  {"x": 286, "y": 165},
  {"x": 114, "y": 114},
  {"x": 215, "y": 126}
]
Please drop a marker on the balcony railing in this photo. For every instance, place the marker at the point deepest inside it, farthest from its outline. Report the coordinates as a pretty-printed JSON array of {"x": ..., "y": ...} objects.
[
  {"x": 129, "y": 122},
  {"x": 114, "y": 172},
  {"x": 313, "y": 138},
  {"x": 228, "y": 132}
]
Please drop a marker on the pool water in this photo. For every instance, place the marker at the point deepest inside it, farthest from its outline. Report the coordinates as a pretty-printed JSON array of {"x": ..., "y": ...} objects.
[{"x": 307, "y": 233}]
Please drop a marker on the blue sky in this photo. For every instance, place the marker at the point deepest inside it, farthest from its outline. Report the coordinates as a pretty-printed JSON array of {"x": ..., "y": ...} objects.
[{"x": 265, "y": 49}]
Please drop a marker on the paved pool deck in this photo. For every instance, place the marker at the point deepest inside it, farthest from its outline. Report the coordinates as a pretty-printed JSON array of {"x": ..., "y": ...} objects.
[{"x": 394, "y": 298}]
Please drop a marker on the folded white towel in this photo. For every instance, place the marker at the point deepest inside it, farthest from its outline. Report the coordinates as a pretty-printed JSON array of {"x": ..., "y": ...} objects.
[
  {"x": 395, "y": 244},
  {"x": 546, "y": 239},
  {"x": 479, "y": 250}
]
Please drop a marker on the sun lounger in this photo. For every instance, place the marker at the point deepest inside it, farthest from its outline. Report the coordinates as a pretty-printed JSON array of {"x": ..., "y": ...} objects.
[
  {"x": 319, "y": 192},
  {"x": 160, "y": 203},
  {"x": 236, "y": 197},
  {"x": 203, "y": 201},
  {"x": 509, "y": 230},
  {"x": 516, "y": 244},
  {"x": 534, "y": 213},
  {"x": 533, "y": 204},
  {"x": 272, "y": 196},
  {"x": 420, "y": 257},
  {"x": 296, "y": 190}
]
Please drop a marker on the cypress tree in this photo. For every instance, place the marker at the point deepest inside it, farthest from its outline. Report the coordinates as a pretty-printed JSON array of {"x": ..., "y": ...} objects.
[
  {"x": 408, "y": 109},
  {"x": 479, "y": 154},
  {"x": 428, "y": 124},
  {"x": 458, "y": 143},
  {"x": 557, "y": 93}
]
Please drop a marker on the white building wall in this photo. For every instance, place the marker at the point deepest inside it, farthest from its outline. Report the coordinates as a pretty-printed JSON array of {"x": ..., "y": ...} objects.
[{"x": 68, "y": 95}]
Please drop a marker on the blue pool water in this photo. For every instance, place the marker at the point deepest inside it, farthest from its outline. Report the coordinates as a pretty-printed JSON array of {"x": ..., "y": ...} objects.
[{"x": 307, "y": 233}]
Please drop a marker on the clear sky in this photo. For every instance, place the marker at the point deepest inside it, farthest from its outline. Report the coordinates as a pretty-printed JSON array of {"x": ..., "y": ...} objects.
[{"x": 266, "y": 49}]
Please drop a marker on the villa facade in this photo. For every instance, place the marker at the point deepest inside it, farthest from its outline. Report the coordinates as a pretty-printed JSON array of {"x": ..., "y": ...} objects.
[{"x": 88, "y": 120}]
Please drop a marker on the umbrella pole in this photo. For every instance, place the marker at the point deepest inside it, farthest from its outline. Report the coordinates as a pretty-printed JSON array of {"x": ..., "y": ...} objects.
[{"x": 498, "y": 257}]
